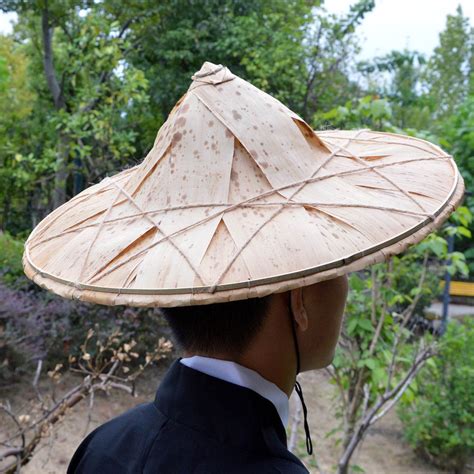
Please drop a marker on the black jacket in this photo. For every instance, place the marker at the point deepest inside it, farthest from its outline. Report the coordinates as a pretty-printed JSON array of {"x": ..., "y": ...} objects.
[{"x": 196, "y": 424}]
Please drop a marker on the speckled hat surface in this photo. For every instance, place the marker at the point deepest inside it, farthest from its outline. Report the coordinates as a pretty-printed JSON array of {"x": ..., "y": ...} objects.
[{"x": 240, "y": 198}]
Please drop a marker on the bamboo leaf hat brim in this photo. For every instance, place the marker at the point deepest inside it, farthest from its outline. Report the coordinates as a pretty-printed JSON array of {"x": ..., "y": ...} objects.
[{"x": 240, "y": 198}]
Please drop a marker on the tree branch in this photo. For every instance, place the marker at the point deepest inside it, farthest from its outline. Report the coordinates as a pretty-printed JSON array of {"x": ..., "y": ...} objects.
[{"x": 373, "y": 414}]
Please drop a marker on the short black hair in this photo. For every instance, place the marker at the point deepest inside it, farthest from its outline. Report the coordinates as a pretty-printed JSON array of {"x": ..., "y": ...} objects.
[{"x": 217, "y": 328}]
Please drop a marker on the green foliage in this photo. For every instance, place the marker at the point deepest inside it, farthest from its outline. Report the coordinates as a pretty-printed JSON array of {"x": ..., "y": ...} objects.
[
  {"x": 17, "y": 178},
  {"x": 88, "y": 130},
  {"x": 293, "y": 50},
  {"x": 11, "y": 251},
  {"x": 358, "y": 360},
  {"x": 270, "y": 49},
  {"x": 260, "y": 41},
  {"x": 99, "y": 108},
  {"x": 35, "y": 324},
  {"x": 368, "y": 112},
  {"x": 449, "y": 69},
  {"x": 396, "y": 77},
  {"x": 459, "y": 140},
  {"x": 376, "y": 113},
  {"x": 439, "y": 420},
  {"x": 115, "y": 74},
  {"x": 459, "y": 221},
  {"x": 377, "y": 348},
  {"x": 330, "y": 46},
  {"x": 39, "y": 325}
]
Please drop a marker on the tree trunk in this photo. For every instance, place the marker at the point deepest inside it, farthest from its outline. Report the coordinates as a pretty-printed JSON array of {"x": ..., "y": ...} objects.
[
  {"x": 78, "y": 182},
  {"x": 62, "y": 171},
  {"x": 59, "y": 194},
  {"x": 6, "y": 211}
]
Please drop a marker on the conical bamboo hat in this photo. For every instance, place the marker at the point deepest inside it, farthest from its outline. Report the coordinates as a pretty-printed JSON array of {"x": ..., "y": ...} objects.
[{"x": 240, "y": 198}]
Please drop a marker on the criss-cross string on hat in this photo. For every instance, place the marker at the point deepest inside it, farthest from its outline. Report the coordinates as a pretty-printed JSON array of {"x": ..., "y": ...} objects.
[{"x": 250, "y": 202}]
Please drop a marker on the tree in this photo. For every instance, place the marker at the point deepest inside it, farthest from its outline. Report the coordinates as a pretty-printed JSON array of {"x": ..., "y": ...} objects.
[
  {"x": 379, "y": 357},
  {"x": 439, "y": 418},
  {"x": 292, "y": 49},
  {"x": 16, "y": 106},
  {"x": 330, "y": 48},
  {"x": 397, "y": 78},
  {"x": 459, "y": 140},
  {"x": 450, "y": 67},
  {"x": 85, "y": 92},
  {"x": 260, "y": 41},
  {"x": 104, "y": 78}
]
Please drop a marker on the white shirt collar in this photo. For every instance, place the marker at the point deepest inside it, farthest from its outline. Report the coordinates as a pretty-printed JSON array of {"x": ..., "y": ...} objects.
[{"x": 238, "y": 374}]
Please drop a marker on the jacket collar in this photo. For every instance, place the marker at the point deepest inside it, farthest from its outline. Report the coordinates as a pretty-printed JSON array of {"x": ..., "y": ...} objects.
[
  {"x": 221, "y": 410},
  {"x": 231, "y": 371}
]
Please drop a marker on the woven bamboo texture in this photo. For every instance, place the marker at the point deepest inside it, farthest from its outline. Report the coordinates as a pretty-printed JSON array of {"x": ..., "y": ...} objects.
[{"x": 240, "y": 198}]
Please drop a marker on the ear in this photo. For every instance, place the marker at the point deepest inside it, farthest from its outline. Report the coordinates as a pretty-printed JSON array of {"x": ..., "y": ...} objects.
[{"x": 298, "y": 309}]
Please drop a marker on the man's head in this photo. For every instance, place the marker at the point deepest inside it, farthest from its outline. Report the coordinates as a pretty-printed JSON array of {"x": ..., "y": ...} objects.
[
  {"x": 221, "y": 328},
  {"x": 260, "y": 329},
  {"x": 318, "y": 311}
]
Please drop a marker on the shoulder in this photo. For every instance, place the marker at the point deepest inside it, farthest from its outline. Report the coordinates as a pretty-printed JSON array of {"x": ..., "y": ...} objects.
[
  {"x": 236, "y": 465},
  {"x": 131, "y": 426},
  {"x": 182, "y": 449},
  {"x": 120, "y": 444},
  {"x": 146, "y": 441},
  {"x": 278, "y": 466}
]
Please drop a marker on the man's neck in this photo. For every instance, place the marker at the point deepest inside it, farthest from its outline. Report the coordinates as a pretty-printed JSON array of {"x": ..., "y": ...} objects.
[
  {"x": 273, "y": 369},
  {"x": 271, "y": 353}
]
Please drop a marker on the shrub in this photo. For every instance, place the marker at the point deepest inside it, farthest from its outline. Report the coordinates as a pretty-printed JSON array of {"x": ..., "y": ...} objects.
[
  {"x": 37, "y": 324},
  {"x": 40, "y": 325},
  {"x": 439, "y": 420},
  {"x": 11, "y": 251}
]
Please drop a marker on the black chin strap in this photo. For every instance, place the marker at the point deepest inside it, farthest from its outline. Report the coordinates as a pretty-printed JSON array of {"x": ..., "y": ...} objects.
[{"x": 298, "y": 389}]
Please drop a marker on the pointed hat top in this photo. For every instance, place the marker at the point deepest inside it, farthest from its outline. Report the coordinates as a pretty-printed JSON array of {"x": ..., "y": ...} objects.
[
  {"x": 240, "y": 198},
  {"x": 212, "y": 74}
]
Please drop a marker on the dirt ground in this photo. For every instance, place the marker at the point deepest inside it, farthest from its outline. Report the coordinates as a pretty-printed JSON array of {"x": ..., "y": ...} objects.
[{"x": 383, "y": 450}]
